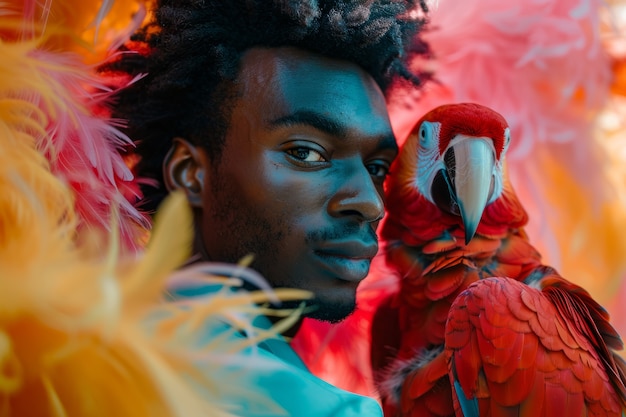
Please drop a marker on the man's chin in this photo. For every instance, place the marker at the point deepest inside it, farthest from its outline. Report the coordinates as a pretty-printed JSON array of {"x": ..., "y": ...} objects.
[{"x": 332, "y": 313}]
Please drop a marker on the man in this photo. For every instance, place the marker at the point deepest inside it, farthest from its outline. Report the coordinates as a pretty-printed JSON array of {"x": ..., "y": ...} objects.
[{"x": 271, "y": 117}]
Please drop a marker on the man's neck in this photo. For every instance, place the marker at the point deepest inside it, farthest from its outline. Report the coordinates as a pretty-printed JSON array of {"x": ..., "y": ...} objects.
[{"x": 289, "y": 333}]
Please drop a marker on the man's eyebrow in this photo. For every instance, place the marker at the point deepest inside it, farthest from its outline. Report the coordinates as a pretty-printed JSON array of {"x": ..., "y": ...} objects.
[
  {"x": 325, "y": 124},
  {"x": 313, "y": 119}
]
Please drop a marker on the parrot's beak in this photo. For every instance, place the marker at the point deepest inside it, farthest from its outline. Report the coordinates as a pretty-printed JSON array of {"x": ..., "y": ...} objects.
[{"x": 470, "y": 165}]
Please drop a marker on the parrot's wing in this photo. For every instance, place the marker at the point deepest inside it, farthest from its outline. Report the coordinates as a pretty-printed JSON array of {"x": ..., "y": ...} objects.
[{"x": 513, "y": 345}]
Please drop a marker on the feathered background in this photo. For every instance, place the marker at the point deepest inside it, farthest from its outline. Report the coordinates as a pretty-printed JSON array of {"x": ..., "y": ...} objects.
[{"x": 556, "y": 70}]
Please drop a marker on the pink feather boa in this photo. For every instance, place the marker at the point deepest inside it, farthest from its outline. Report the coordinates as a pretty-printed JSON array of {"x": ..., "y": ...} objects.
[{"x": 48, "y": 62}]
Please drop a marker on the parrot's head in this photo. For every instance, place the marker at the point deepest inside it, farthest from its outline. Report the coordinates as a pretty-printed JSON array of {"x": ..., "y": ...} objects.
[{"x": 458, "y": 153}]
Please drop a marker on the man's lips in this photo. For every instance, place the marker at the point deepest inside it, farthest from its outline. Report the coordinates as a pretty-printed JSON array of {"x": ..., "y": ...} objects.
[{"x": 349, "y": 261}]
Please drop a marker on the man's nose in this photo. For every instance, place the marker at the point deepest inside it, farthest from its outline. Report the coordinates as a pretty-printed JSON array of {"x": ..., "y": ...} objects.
[{"x": 357, "y": 196}]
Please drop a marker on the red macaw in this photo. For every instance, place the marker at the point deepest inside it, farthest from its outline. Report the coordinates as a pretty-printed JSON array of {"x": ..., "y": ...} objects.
[{"x": 479, "y": 326}]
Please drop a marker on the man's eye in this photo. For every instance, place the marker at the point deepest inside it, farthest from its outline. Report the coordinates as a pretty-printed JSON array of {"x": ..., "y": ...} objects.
[
  {"x": 378, "y": 170},
  {"x": 306, "y": 154}
]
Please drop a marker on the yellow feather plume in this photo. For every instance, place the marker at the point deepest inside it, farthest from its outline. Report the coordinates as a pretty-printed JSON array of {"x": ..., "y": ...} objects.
[
  {"x": 74, "y": 333},
  {"x": 82, "y": 334}
]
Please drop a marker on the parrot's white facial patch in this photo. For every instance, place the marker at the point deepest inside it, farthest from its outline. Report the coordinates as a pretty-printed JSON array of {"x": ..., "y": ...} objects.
[
  {"x": 498, "y": 185},
  {"x": 428, "y": 159},
  {"x": 507, "y": 141}
]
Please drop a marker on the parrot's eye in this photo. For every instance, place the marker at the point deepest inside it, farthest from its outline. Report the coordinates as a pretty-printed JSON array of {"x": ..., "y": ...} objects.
[{"x": 426, "y": 134}]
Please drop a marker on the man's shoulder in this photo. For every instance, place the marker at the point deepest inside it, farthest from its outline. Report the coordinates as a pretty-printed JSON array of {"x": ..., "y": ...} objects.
[{"x": 269, "y": 377}]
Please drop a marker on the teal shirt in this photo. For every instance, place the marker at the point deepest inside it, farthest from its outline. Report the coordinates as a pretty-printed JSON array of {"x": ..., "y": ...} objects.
[{"x": 271, "y": 380}]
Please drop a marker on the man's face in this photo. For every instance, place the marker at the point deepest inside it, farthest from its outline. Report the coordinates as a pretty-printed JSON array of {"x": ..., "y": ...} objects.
[{"x": 299, "y": 182}]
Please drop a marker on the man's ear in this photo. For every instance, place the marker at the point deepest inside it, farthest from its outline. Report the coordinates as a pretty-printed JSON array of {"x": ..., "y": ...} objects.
[{"x": 184, "y": 169}]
